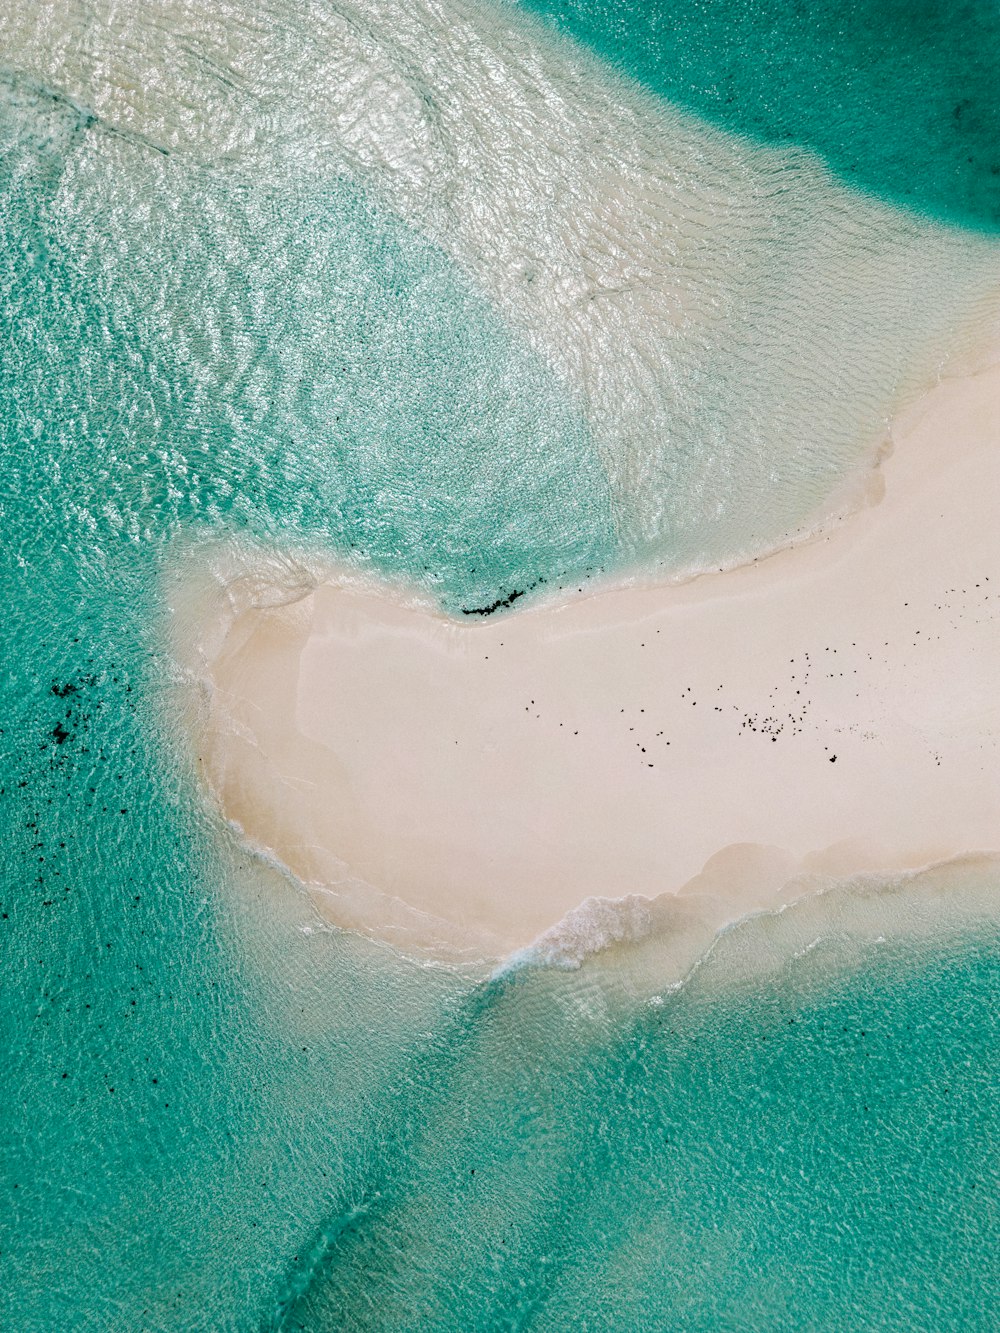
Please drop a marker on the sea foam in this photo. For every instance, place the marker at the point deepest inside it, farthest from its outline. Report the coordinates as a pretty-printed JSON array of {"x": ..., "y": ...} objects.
[{"x": 593, "y": 926}]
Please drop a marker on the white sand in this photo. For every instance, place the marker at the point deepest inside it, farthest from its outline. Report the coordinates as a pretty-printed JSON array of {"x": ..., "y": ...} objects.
[{"x": 467, "y": 784}]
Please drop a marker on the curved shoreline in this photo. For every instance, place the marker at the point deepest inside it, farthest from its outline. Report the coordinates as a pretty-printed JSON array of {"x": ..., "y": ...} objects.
[{"x": 386, "y": 757}]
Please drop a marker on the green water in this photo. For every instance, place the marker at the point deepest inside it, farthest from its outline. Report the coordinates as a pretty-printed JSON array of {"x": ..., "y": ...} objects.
[
  {"x": 796, "y": 1158},
  {"x": 215, "y": 1119},
  {"x": 898, "y": 97}
]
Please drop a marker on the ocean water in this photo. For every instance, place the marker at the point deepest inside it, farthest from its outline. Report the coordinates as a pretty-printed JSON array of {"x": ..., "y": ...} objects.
[
  {"x": 221, "y": 325},
  {"x": 790, "y": 1155},
  {"x": 897, "y": 97},
  {"x": 726, "y": 327}
]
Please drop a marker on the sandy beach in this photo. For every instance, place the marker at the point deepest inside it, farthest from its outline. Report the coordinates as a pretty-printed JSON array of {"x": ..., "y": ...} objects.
[{"x": 461, "y": 786}]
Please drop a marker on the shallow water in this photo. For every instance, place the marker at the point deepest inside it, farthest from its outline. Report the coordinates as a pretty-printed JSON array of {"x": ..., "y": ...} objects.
[
  {"x": 476, "y": 277},
  {"x": 794, "y": 1157},
  {"x": 898, "y": 98},
  {"x": 218, "y": 1115}
]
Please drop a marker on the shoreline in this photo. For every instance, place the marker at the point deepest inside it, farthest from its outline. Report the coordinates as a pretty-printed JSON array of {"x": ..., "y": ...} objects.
[{"x": 453, "y": 817}]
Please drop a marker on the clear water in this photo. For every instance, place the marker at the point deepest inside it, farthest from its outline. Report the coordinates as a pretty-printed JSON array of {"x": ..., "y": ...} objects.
[
  {"x": 213, "y": 1118},
  {"x": 468, "y": 274},
  {"x": 794, "y": 1158},
  {"x": 899, "y": 98}
]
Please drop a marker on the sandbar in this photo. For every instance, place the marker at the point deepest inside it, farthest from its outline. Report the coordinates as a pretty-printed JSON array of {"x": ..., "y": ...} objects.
[{"x": 459, "y": 785}]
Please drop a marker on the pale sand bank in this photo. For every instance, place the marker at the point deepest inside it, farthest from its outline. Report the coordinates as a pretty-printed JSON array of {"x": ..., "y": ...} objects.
[{"x": 834, "y": 707}]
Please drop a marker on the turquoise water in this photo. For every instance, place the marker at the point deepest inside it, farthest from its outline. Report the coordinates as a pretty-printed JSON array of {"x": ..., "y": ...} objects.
[
  {"x": 898, "y": 97},
  {"x": 334, "y": 382},
  {"x": 797, "y": 1157},
  {"x": 214, "y": 1120}
]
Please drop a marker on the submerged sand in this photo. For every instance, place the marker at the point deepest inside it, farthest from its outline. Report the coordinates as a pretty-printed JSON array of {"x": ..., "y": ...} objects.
[{"x": 462, "y": 786}]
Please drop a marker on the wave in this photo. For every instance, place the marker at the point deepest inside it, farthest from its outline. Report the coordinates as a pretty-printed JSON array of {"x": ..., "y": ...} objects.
[{"x": 654, "y": 945}]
